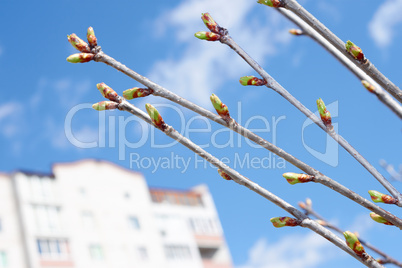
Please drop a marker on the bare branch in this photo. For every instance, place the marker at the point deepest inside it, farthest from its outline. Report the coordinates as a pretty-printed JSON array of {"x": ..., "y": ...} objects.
[
  {"x": 310, "y": 211},
  {"x": 273, "y": 84},
  {"x": 381, "y": 94}
]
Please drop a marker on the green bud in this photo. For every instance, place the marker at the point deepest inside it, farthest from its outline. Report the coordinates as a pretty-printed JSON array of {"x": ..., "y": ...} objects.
[
  {"x": 279, "y": 222},
  {"x": 354, "y": 50},
  {"x": 78, "y": 43},
  {"x": 324, "y": 113},
  {"x": 220, "y": 108},
  {"x": 105, "y": 105},
  {"x": 80, "y": 57},
  {"x": 155, "y": 116},
  {"x": 381, "y": 198},
  {"x": 379, "y": 219},
  {"x": 294, "y": 178},
  {"x": 136, "y": 92},
  {"x": 207, "y": 36},
  {"x": 296, "y": 31},
  {"x": 354, "y": 243},
  {"x": 93, "y": 42},
  {"x": 369, "y": 86},
  {"x": 224, "y": 175},
  {"x": 271, "y": 3},
  {"x": 251, "y": 81},
  {"x": 210, "y": 23}
]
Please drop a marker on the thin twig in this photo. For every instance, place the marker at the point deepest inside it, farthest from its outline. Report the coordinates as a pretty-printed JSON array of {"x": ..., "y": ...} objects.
[
  {"x": 381, "y": 94},
  {"x": 273, "y": 84},
  {"x": 240, "y": 179},
  {"x": 391, "y": 171},
  {"x": 364, "y": 65},
  {"x": 319, "y": 177},
  {"x": 387, "y": 259}
]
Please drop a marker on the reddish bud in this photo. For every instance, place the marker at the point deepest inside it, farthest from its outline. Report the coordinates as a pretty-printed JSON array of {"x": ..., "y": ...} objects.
[
  {"x": 105, "y": 105},
  {"x": 325, "y": 114},
  {"x": 369, "y": 86},
  {"x": 252, "y": 81},
  {"x": 224, "y": 175},
  {"x": 294, "y": 178},
  {"x": 80, "y": 57},
  {"x": 354, "y": 50},
  {"x": 284, "y": 221},
  {"x": 210, "y": 23},
  {"x": 136, "y": 92},
  {"x": 220, "y": 108},
  {"x": 382, "y": 198},
  {"x": 78, "y": 43},
  {"x": 271, "y": 3},
  {"x": 156, "y": 118},
  {"x": 354, "y": 243},
  {"x": 302, "y": 205},
  {"x": 108, "y": 92},
  {"x": 296, "y": 32},
  {"x": 93, "y": 42},
  {"x": 207, "y": 36}
]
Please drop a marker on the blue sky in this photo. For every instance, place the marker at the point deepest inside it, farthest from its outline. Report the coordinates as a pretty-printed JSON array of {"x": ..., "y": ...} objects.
[{"x": 41, "y": 92}]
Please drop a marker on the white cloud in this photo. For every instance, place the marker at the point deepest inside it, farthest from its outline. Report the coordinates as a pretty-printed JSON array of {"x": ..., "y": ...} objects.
[
  {"x": 296, "y": 251},
  {"x": 204, "y": 66},
  {"x": 382, "y": 26},
  {"x": 10, "y": 118}
]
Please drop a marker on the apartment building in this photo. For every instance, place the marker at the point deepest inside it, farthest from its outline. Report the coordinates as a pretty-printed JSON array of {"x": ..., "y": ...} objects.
[{"x": 94, "y": 213}]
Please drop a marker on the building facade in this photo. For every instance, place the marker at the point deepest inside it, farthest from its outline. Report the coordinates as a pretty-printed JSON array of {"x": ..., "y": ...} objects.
[{"x": 96, "y": 214}]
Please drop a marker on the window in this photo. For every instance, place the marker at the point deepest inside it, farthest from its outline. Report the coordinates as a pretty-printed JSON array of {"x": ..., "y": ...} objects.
[
  {"x": 177, "y": 252},
  {"x": 142, "y": 253},
  {"x": 96, "y": 252},
  {"x": 47, "y": 218},
  {"x": 53, "y": 249},
  {"x": 134, "y": 223},
  {"x": 203, "y": 226},
  {"x": 3, "y": 259},
  {"x": 177, "y": 198}
]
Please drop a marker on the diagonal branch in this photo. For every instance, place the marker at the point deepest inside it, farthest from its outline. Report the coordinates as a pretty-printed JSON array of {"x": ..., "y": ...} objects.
[
  {"x": 334, "y": 40},
  {"x": 381, "y": 94},
  {"x": 307, "y": 207},
  {"x": 319, "y": 177}
]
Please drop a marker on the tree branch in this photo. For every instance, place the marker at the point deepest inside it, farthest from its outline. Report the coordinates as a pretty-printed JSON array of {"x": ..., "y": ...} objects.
[
  {"x": 381, "y": 94},
  {"x": 240, "y": 179},
  {"x": 273, "y": 84},
  {"x": 364, "y": 65},
  {"x": 307, "y": 207}
]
